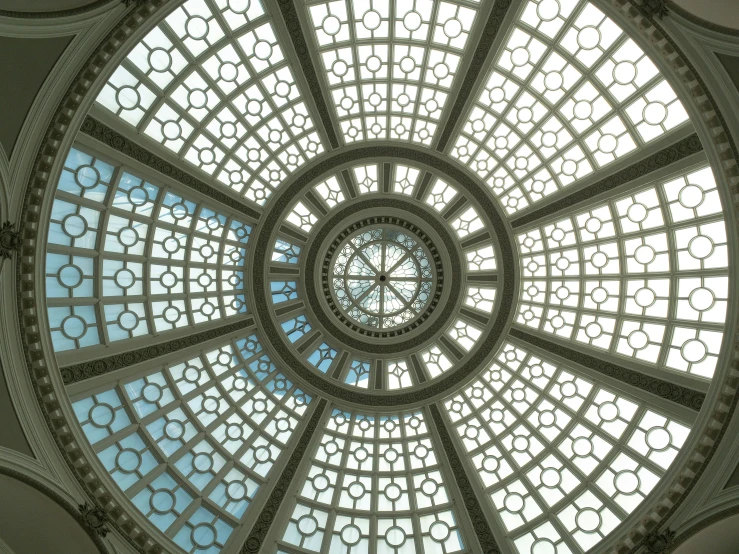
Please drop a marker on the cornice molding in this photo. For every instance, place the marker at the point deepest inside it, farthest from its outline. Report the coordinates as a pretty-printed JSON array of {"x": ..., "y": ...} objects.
[
  {"x": 700, "y": 526},
  {"x": 70, "y": 508},
  {"x": 685, "y": 14},
  {"x": 92, "y": 6}
]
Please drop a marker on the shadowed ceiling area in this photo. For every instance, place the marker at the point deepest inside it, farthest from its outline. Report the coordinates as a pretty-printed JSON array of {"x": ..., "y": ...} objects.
[
  {"x": 31, "y": 523},
  {"x": 23, "y": 74},
  {"x": 40, "y": 6}
]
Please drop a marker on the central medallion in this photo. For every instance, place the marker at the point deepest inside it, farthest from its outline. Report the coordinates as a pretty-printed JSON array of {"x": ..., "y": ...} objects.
[{"x": 383, "y": 276}]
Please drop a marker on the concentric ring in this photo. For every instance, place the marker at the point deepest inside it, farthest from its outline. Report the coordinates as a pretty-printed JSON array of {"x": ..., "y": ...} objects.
[
  {"x": 264, "y": 239},
  {"x": 331, "y": 322}
]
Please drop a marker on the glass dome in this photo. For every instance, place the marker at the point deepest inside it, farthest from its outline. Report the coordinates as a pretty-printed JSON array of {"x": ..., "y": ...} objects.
[{"x": 393, "y": 276}]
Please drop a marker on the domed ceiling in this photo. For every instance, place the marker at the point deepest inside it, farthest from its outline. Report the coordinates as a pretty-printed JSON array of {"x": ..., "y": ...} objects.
[{"x": 420, "y": 276}]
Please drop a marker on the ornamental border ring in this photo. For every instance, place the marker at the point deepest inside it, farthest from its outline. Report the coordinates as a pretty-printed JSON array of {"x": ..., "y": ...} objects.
[{"x": 345, "y": 335}]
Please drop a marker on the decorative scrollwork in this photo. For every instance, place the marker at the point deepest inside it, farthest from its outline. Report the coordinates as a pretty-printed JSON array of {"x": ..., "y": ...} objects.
[
  {"x": 95, "y": 518},
  {"x": 9, "y": 240},
  {"x": 658, "y": 543},
  {"x": 654, "y": 8}
]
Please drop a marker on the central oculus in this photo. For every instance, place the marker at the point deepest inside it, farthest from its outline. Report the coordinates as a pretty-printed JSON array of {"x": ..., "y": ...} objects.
[{"x": 382, "y": 277}]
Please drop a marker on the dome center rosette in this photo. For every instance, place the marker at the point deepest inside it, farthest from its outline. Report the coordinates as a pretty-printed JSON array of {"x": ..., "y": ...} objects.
[{"x": 383, "y": 278}]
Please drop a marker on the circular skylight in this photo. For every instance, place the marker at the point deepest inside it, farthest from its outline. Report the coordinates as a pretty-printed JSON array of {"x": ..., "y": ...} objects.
[
  {"x": 403, "y": 311},
  {"x": 382, "y": 277}
]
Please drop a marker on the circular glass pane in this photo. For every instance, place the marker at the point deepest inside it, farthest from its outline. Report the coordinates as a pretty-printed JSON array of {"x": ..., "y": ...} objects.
[{"x": 382, "y": 277}]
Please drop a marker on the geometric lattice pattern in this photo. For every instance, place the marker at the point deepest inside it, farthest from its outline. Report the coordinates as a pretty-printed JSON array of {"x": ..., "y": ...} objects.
[
  {"x": 391, "y": 63},
  {"x": 374, "y": 485},
  {"x": 562, "y": 459},
  {"x": 127, "y": 258},
  {"x": 191, "y": 443},
  {"x": 212, "y": 84},
  {"x": 569, "y": 93},
  {"x": 644, "y": 275},
  {"x": 559, "y": 456}
]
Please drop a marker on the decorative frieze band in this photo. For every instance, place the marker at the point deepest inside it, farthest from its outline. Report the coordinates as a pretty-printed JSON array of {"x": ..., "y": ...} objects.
[
  {"x": 87, "y": 370},
  {"x": 102, "y": 133},
  {"x": 684, "y": 396},
  {"x": 255, "y": 540}
]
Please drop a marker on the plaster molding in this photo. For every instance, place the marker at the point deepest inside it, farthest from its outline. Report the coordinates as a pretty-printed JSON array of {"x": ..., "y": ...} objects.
[
  {"x": 20, "y": 388},
  {"x": 48, "y": 28},
  {"x": 703, "y": 45},
  {"x": 94, "y": 6},
  {"x": 701, "y": 525},
  {"x": 676, "y": 9},
  {"x": 712, "y": 497},
  {"x": 724, "y": 502},
  {"x": 32, "y": 467},
  {"x": 4, "y": 184},
  {"x": 47, "y": 100}
]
